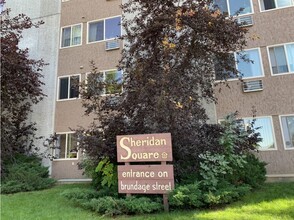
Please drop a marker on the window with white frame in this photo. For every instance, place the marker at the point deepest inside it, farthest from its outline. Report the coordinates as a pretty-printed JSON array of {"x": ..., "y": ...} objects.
[
  {"x": 287, "y": 123},
  {"x": 66, "y": 146},
  {"x": 264, "y": 126},
  {"x": 68, "y": 87},
  {"x": 71, "y": 36},
  {"x": 248, "y": 63},
  {"x": 105, "y": 82},
  {"x": 232, "y": 7},
  {"x": 272, "y": 4},
  {"x": 105, "y": 29},
  {"x": 282, "y": 58},
  {"x": 113, "y": 81}
]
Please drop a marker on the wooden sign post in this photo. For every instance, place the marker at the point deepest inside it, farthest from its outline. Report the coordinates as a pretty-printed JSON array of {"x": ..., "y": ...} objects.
[{"x": 145, "y": 179}]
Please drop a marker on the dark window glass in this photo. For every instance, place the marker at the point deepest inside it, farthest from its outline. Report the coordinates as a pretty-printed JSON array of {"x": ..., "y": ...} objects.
[
  {"x": 269, "y": 4},
  {"x": 62, "y": 145},
  {"x": 96, "y": 31},
  {"x": 221, "y": 69},
  {"x": 74, "y": 87},
  {"x": 66, "y": 32},
  {"x": 63, "y": 88}
]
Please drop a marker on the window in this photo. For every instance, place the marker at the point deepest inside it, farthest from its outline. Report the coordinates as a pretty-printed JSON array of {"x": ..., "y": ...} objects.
[
  {"x": 232, "y": 7},
  {"x": 1, "y": 6},
  {"x": 69, "y": 87},
  {"x": 66, "y": 146},
  {"x": 272, "y": 4},
  {"x": 287, "y": 123},
  {"x": 113, "y": 81},
  {"x": 71, "y": 36},
  {"x": 266, "y": 132},
  {"x": 251, "y": 68},
  {"x": 248, "y": 64},
  {"x": 282, "y": 58},
  {"x": 104, "y": 29},
  {"x": 105, "y": 82}
]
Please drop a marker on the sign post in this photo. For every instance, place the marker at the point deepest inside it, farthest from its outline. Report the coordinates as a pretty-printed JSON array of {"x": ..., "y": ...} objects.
[{"x": 145, "y": 179}]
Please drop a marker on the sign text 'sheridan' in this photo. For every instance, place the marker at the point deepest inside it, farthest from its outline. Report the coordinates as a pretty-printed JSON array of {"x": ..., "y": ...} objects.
[{"x": 145, "y": 147}]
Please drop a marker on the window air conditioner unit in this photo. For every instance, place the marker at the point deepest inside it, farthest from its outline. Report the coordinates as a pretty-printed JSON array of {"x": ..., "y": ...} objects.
[
  {"x": 245, "y": 21},
  {"x": 112, "y": 45},
  {"x": 252, "y": 86}
]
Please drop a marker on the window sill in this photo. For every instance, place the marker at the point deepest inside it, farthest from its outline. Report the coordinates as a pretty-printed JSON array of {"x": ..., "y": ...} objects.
[
  {"x": 70, "y": 46},
  {"x": 282, "y": 74},
  {"x": 274, "y": 9},
  {"x": 101, "y": 41},
  {"x": 63, "y": 100},
  {"x": 65, "y": 159},
  {"x": 267, "y": 150},
  {"x": 236, "y": 79}
]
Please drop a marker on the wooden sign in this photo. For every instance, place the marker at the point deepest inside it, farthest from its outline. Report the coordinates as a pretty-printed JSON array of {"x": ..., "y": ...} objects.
[
  {"x": 144, "y": 147},
  {"x": 146, "y": 179}
]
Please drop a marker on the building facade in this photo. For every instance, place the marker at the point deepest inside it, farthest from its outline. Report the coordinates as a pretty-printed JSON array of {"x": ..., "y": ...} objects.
[
  {"x": 87, "y": 31},
  {"x": 268, "y": 85}
]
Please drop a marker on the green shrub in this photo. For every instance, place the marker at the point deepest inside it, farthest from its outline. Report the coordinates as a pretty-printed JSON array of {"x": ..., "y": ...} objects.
[
  {"x": 225, "y": 194},
  {"x": 141, "y": 205},
  {"x": 108, "y": 172},
  {"x": 213, "y": 169},
  {"x": 26, "y": 174},
  {"x": 253, "y": 173},
  {"x": 104, "y": 205},
  {"x": 186, "y": 196},
  {"x": 97, "y": 201},
  {"x": 80, "y": 194},
  {"x": 77, "y": 194}
]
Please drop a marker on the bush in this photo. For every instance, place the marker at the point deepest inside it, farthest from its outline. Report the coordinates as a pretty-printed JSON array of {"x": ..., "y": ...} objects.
[
  {"x": 80, "y": 194},
  {"x": 140, "y": 205},
  {"x": 77, "y": 194},
  {"x": 26, "y": 174},
  {"x": 104, "y": 205},
  {"x": 225, "y": 194},
  {"x": 186, "y": 196},
  {"x": 107, "y": 205},
  {"x": 253, "y": 173}
]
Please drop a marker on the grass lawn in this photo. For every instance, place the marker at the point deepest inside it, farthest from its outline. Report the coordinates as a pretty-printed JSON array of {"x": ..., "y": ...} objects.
[{"x": 273, "y": 202}]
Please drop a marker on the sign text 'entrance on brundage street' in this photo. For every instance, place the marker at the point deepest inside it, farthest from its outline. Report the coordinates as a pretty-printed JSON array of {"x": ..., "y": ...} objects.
[
  {"x": 144, "y": 148},
  {"x": 146, "y": 179}
]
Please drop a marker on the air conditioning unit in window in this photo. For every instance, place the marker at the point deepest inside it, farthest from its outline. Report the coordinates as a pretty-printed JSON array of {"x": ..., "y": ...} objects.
[
  {"x": 245, "y": 21},
  {"x": 252, "y": 86},
  {"x": 112, "y": 45}
]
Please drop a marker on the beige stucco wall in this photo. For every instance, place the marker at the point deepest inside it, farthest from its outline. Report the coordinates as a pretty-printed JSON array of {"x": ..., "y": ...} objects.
[
  {"x": 69, "y": 114},
  {"x": 67, "y": 169},
  {"x": 277, "y": 98}
]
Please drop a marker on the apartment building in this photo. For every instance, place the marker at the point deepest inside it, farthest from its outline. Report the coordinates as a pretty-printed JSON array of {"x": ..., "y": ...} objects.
[
  {"x": 88, "y": 32},
  {"x": 79, "y": 31},
  {"x": 268, "y": 85}
]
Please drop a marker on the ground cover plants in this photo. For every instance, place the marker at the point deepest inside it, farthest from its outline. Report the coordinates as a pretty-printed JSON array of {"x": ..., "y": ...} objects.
[
  {"x": 271, "y": 201},
  {"x": 26, "y": 173}
]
